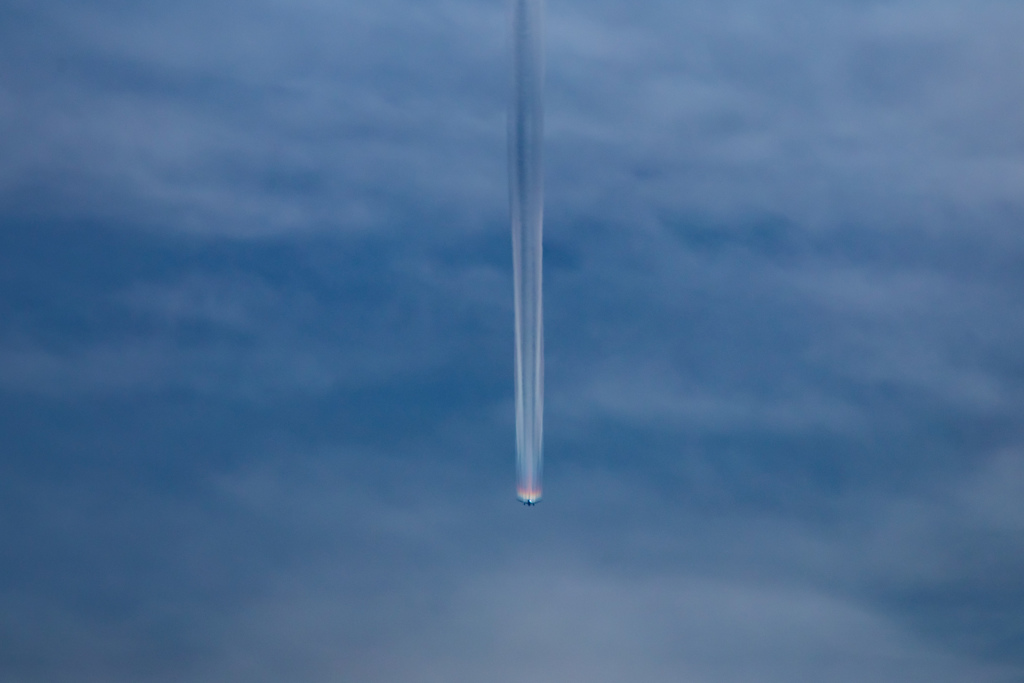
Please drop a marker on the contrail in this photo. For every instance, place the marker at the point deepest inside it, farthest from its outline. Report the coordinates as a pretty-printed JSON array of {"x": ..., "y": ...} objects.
[{"x": 526, "y": 191}]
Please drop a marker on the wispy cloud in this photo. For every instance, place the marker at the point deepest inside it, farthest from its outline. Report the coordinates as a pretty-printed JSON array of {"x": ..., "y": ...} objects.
[{"x": 256, "y": 344}]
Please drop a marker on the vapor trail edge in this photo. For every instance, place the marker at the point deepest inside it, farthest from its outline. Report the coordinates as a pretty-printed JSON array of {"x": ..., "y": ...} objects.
[{"x": 526, "y": 192}]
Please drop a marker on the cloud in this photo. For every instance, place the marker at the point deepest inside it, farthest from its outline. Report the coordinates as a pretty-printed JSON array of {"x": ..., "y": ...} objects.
[
  {"x": 153, "y": 118},
  {"x": 549, "y": 625},
  {"x": 301, "y": 566},
  {"x": 218, "y": 317},
  {"x": 828, "y": 115},
  {"x": 262, "y": 119},
  {"x": 255, "y": 344}
]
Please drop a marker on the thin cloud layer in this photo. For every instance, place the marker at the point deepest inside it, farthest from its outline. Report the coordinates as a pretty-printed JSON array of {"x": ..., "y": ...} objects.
[{"x": 256, "y": 344}]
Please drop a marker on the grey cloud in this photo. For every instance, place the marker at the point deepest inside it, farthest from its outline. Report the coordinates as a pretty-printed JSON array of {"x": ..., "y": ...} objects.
[
  {"x": 660, "y": 595},
  {"x": 606, "y": 629},
  {"x": 759, "y": 108},
  {"x": 262, "y": 119},
  {"x": 306, "y": 317},
  {"x": 255, "y": 343},
  {"x": 152, "y": 117}
]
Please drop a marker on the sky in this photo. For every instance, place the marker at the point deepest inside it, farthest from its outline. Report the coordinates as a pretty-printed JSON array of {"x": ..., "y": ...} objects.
[{"x": 256, "y": 344}]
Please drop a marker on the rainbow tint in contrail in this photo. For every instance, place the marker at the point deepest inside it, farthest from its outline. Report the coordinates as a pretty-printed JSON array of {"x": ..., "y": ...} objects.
[{"x": 526, "y": 192}]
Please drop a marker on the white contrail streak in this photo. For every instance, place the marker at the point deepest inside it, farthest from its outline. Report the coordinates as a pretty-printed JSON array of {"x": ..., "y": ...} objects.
[{"x": 526, "y": 190}]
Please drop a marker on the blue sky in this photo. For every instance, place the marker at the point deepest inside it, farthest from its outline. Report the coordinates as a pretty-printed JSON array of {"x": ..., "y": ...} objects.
[{"x": 256, "y": 418}]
